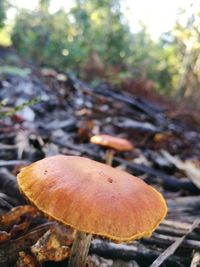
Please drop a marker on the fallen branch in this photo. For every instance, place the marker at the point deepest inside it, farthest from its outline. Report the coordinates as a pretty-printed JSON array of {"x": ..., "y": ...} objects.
[
  {"x": 175, "y": 232},
  {"x": 161, "y": 240},
  {"x": 171, "y": 249},
  {"x": 134, "y": 251}
]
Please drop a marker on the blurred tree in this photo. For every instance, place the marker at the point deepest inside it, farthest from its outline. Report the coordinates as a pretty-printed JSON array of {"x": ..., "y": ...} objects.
[
  {"x": 89, "y": 26},
  {"x": 3, "y": 5},
  {"x": 41, "y": 37},
  {"x": 44, "y": 5},
  {"x": 187, "y": 38},
  {"x": 152, "y": 60},
  {"x": 100, "y": 26}
]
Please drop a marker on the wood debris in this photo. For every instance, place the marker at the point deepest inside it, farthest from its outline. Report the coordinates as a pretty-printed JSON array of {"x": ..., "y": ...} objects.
[
  {"x": 54, "y": 245},
  {"x": 69, "y": 112},
  {"x": 170, "y": 250}
]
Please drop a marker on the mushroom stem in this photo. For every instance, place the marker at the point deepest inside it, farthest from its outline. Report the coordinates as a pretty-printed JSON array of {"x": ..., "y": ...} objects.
[
  {"x": 79, "y": 250},
  {"x": 109, "y": 156}
]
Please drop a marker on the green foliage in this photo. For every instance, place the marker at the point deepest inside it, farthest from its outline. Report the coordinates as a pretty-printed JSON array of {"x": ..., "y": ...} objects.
[
  {"x": 102, "y": 28},
  {"x": 185, "y": 42},
  {"x": 41, "y": 37},
  {"x": 151, "y": 60},
  {"x": 66, "y": 39},
  {"x": 2, "y": 12},
  {"x": 6, "y": 111},
  {"x": 14, "y": 71}
]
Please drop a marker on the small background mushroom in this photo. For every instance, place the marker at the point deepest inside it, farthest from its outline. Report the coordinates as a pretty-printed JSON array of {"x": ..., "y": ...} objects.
[{"x": 112, "y": 143}]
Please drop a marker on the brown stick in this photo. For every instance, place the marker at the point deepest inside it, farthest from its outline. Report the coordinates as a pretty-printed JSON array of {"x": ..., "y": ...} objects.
[{"x": 80, "y": 248}]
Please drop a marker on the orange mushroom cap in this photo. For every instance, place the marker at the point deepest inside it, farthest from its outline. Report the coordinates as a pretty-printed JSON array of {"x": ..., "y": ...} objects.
[
  {"x": 117, "y": 143},
  {"x": 93, "y": 197}
]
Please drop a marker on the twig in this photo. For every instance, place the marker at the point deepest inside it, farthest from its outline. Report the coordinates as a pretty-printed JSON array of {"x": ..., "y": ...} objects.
[
  {"x": 171, "y": 249},
  {"x": 195, "y": 260}
]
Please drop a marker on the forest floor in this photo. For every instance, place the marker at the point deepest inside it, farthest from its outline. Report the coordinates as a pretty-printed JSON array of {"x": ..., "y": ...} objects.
[{"x": 59, "y": 116}]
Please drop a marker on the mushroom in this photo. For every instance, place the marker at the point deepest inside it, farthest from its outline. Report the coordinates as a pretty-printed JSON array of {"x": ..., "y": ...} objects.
[
  {"x": 92, "y": 198},
  {"x": 112, "y": 143}
]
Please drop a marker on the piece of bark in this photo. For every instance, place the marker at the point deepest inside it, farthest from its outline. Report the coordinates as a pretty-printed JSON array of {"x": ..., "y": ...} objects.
[
  {"x": 54, "y": 245},
  {"x": 9, "y": 251},
  {"x": 17, "y": 215},
  {"x": 27, "y": 260}
]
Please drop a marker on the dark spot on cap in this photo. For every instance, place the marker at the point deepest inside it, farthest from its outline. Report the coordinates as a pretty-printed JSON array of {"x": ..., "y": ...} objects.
[{"x": 110, "y": 180}]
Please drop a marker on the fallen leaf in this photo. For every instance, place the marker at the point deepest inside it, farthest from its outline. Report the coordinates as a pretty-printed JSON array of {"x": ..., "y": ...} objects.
[
  {"x": 54, "y": 245},
  {"x": 17, "y": 215},
  {"x": 27, "y": 260}
]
